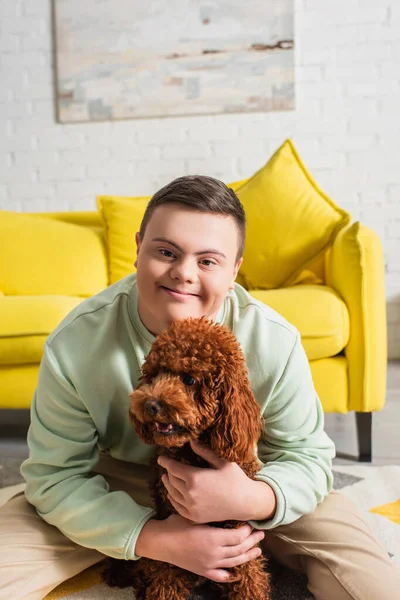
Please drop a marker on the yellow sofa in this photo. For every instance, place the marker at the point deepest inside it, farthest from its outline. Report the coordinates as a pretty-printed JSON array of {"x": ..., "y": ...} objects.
[
  {"x": 302, "y": 257},
  {"x": 338, "y": 305}
]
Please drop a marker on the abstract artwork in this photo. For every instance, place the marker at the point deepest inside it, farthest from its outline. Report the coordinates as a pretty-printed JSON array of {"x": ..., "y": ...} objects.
[{"x": 129, "y": 59}]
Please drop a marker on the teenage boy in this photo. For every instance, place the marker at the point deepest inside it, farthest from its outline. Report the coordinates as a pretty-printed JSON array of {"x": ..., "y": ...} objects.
[{"x": 86, "y": 475}]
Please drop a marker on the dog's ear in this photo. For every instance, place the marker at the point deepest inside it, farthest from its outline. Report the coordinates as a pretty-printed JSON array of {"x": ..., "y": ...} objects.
[{"x": 238, "y": 425}]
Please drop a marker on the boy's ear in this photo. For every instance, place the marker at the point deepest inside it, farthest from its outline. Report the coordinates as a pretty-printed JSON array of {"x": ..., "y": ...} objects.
[
  {"x": 137, "y": 240},
  {"x": 235, "y": 272}
]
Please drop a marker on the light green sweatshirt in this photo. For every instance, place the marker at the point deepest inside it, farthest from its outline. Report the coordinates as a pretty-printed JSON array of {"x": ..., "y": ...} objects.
[{"x": 91, "y": 364}]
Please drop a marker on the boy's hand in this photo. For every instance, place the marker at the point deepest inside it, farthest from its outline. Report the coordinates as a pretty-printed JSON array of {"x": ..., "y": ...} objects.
[
  {"x": 202, "y": 549},
  {"x": 219, "y": 493}
]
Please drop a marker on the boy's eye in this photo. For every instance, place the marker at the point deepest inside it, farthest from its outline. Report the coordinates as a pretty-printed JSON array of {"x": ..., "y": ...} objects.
[
  {"x": 210, "y": 263},
  {"x": 188, "y": 379},
  {"x": 166, "y": 253}
]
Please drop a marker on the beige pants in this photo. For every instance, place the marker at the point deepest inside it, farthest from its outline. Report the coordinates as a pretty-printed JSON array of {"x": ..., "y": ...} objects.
[{"x": 333, "y": 547}]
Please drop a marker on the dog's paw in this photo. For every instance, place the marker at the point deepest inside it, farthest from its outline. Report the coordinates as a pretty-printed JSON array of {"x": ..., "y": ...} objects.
[
  {"x": 117, "y": 573},
  {"x": 208, "y": 590}
]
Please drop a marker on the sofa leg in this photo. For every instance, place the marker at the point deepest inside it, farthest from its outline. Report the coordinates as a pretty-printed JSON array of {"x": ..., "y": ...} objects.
[{"x": 364, "y": 436}]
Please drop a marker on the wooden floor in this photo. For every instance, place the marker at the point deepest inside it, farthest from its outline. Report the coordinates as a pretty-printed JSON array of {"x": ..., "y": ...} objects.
[{"x": 341, "y": 428}]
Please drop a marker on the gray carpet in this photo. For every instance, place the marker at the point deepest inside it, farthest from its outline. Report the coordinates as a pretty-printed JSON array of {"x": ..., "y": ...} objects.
[{"x": 9, "y": 472}]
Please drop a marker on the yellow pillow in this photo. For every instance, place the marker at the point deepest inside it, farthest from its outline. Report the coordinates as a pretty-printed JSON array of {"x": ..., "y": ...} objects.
[
  {"x": 122, "y": 217},
  {"x": 42, "y": 256},
  {"x": 290, "y": 221},
  {"x": 237, "y": 184}
]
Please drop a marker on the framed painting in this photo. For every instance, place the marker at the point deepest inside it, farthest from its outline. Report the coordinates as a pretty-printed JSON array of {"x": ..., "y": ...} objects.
[{"x": 128, "y": 59}]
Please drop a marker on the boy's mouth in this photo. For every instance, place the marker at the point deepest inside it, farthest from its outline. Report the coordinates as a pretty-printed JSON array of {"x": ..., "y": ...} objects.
[{"x": 178, "y": 293}]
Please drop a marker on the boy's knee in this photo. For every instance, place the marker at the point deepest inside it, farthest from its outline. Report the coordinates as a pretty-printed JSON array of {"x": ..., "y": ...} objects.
[{"x": 323, "y": 584}]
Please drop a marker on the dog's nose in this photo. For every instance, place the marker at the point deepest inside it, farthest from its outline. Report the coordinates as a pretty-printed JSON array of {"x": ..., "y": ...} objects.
[{"x": 152, "y": 407}]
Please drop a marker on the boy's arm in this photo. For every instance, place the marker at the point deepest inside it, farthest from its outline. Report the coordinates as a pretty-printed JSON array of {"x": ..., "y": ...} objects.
[
  {"x": 208, "y": 551},
  {"x": 295, "y": 451},
  {"x": 63, "y": 450}
]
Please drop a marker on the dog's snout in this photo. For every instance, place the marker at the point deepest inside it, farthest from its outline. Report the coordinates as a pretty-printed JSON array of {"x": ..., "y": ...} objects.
[{"x": 152, "y": 407}]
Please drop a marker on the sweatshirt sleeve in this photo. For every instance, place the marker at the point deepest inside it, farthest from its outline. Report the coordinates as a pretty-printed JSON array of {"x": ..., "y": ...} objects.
[
  {"x": 295, "y": 451},
  {"x": 62, "y": 441}
]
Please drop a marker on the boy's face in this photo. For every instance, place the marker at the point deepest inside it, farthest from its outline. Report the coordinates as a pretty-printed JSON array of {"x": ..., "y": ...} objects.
[{"x": 185, "y": 263}]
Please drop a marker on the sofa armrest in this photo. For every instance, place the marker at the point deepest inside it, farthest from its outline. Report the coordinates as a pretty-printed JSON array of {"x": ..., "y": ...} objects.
[{"x": 355, "y": 269}]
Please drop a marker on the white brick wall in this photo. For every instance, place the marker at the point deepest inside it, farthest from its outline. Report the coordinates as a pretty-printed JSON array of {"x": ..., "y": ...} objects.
[{"x": 346, "y": 126}]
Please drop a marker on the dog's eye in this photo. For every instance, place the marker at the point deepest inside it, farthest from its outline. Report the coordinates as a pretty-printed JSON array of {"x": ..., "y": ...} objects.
[
  {"x": 147, "y": 376},
  {"x": 188, "y": 379}
]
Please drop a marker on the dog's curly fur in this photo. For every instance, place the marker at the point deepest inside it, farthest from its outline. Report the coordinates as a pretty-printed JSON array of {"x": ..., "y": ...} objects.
[{"x": 195, "y": 382}]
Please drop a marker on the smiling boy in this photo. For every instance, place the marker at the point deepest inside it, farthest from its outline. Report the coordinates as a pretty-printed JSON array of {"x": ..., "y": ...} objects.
[
  {"x": 86, "y": 493},
  {"x": 176, "y": 282}
]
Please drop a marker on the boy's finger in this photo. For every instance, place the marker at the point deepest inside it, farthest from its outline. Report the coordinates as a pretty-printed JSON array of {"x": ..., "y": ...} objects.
[
  {"x": 234, "y": 537},
  {"x": 175, "y": 468},
  {"x": 170, "y": 484},
  {"x": 174, "y": 482},
  {"x": 180, "y": 509}
]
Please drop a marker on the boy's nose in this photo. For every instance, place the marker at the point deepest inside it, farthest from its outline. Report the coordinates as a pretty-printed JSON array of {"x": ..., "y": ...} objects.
[
  {"x": 152, "y": 407},
  {"x": 185, "y": 271}
]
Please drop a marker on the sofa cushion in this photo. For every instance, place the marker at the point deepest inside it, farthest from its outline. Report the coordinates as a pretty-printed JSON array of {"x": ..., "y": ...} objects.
[
  {"x": 317, "y": 311},
  {"x": 290, "y": 221},
  {"x": 78, "y": 265},
  {"x": 25, "y": 323},
  {"x": 331, "y": 381},
  {"x": 17, "y": 385}
]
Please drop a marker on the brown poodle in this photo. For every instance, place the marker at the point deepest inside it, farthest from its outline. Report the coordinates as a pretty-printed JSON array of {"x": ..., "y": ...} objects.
[{"x": 194, "y": 384}]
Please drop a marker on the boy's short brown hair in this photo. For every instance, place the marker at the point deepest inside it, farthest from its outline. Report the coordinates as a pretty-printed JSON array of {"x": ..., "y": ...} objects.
[{"x": 204, "y": 194}]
